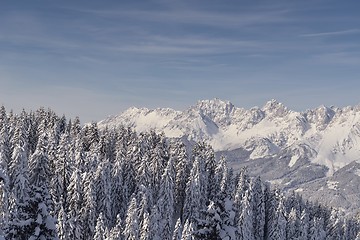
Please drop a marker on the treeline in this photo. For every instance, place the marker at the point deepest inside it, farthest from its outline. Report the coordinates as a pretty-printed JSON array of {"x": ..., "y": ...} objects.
[{"x": 61, "y": 180}]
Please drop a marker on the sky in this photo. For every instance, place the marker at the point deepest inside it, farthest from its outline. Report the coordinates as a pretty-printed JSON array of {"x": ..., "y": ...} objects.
[{"x": 92, "y": 58}]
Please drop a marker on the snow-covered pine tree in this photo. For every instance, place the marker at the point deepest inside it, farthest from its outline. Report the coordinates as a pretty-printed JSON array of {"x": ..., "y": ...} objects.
[
  {"x": 88, "y": 210},
  {"x": 159, "y": 155},
  {"x": 206, "y": 157},
  {"x": 188, "y": 231},
  {"x": 317, "y": 231},
  {"x": 117, "y": 202},
  {"x": 116, "y": 231},
  {"x": 4, "y": 178},
  {"x": 279, "y": 228},
  {"x": 293, "y": 225},
  {"x": 19, "y": 222},
  {"x": 62, "y": 174},
  {"x": 100, "y": 229},
  {"x": 155, "y": 222},
  {"x": 131, "y": 227},
  {"x": 4, "y": 201},
  {"x": 75, "y": 194},
  {"x": 258, "y": 208},
  {"x": 177, "y": 230},
  {"x": 245, "y": 224},
  {"x": 182, "y": 171},
  {"x": 103, "y": 191},
  {"x": 145, "y": 231},
  {"x": 62, "y": 224},
  {"x": 165, "y": 202},
  {"x": 194, "y": 199},
  {"x": 304, "y": 225},
  {"x": 40, "y": 200},
  {"x": 334, "y": 226}
]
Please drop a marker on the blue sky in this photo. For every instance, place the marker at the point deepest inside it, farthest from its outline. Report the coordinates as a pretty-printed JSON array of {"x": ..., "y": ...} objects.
[{"x": 95, "y": 58}]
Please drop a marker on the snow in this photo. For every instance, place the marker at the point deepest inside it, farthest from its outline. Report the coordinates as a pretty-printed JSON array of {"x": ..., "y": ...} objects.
[
  {"x": 333, "y": 185},
  {"x": 332, "y": 135},
  {"x": 293, "y": 160}
]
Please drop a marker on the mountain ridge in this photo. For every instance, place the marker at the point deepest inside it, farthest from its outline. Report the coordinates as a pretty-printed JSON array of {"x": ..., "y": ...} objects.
[{"x": 266, "y": 130}]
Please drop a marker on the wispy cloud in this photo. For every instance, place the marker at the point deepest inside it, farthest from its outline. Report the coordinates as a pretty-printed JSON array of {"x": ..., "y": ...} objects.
[
  {"x": 334, "y": 33},
  {"x": 196, "y": 17}
]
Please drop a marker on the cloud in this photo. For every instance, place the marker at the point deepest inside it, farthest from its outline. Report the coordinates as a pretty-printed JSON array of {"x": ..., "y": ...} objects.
[
  {"x": 334, "y": 33},
  {"x": 196, "y": 17}
]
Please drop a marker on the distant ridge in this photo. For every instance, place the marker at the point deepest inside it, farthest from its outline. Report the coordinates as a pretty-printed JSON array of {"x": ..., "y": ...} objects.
[{"x": 331, "y": 135}]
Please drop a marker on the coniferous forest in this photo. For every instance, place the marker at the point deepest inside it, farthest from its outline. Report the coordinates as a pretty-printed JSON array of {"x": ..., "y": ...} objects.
[{"x": 62, "y": 180}]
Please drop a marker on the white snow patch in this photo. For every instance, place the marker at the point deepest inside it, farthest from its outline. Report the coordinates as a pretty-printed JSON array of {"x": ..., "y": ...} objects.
[
  {"x": 293, "y": 160},
  {"x": 333, "y": 185}
]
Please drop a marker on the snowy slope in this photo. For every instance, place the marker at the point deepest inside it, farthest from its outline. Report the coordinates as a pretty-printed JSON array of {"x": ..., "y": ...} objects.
[{"x": 332, "y": 135}]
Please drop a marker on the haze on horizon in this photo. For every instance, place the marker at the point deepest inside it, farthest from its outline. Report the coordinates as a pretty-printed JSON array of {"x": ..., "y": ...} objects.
[{"x": 95, "y": 58}]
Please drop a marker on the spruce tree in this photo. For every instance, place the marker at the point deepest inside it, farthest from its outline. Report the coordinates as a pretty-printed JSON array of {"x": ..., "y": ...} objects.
[
  {"x": 131, "y": 227},
  {"x": 166, "y": 201},
  {"x": 177, "y": 230},
  {"x": 100, "y": 229}
]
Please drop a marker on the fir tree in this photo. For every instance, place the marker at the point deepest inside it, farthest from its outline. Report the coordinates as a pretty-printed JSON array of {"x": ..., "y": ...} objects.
[
  {"x": 166, "y": 201},
  {"x": 116, "y": 231},
  {"x": 100, "y": 229},
  {"x": 145, "y": 232},
  {"x": 178, "y": 230},
  {"x": 75, "y": 194},
  {"x": 188, "y": 231},
  {"x": 131, "y": 227}
]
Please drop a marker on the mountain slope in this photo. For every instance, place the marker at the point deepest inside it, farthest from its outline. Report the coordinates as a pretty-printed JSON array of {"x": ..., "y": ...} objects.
[{"x": 331, "y": 135}]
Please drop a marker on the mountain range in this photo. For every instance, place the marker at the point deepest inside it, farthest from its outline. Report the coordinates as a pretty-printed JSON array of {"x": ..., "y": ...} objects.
[{"x": 315, "y": 152}]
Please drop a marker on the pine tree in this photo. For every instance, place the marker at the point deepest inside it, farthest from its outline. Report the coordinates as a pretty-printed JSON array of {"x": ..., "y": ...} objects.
[
  {"x": 116, "y": 231},
  {"x": 187, "y": 233},
  {"x": 304, "y": 225},
  {"x": 4, "y": 201},
  {"x": 279, "y": 230},
  {"x": 206, "y": 157},
  {"x": 88, "y": 210},
  {"x": 62, "y": 224},
  {"x": 317, "y": 229},
  {"x": 182, "y": 170},
  {"x": 131, "y": 227},
  {"x": 210, "y": 227},
  {"x": 246, "y": 218},
  {"x": 166, "y": 201},
  {"x": 62, "y": 174},
  {"x": 100, "y": 229},
  {"x": 75, "y": 194},
  {"x": 155, "y": 221},
  {"x": 103, "y": 191},
  {"x": 293, "y": 225},
  {"x": 117, "y": 189},
  {"x": 4, "y": 177},
  {"x": 41, "y": 203},
  {"x": 334, "y": 226},
  {"x": 258, "y": 208},
  {"x": 194, "y": 199},
  {"x": 145, "y": 227},
  {"x": 178, "y": 230}
]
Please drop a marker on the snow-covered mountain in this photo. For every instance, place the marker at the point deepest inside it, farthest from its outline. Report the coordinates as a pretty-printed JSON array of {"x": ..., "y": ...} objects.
[
  {"x": 286, "y": 147},
  {"x": 327, "y": 136}
]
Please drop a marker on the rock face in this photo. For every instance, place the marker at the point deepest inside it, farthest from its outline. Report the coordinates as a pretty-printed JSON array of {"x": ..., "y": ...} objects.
[{"x": 301, "y": 151}]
